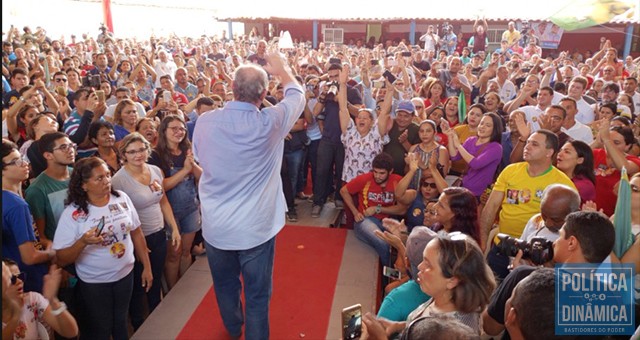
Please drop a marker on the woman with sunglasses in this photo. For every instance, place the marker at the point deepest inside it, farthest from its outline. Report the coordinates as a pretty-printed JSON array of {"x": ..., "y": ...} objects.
[
  {"x": 142, "y": 182},
  {"x": 40, "y": 313},
  {"x": 456, "y": 276},
  {"x": 20, "y": 239},
  {"x": 173, "y": 156},
  {"x": 431, "y": 185},
  {"x": 99, "y": 231}
]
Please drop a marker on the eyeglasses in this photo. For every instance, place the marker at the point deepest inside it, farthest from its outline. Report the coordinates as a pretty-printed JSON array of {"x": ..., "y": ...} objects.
[
  {"x": 432, "y": 185},
  {"x": 136, "y": 152},
  {"x": 14, "y": 278},
  {"x": 177, "y": 129},
  {"x": 20, "y": 162},
  {"x": 66, "y": 147},
  {"x": 430, "y": 212},
  {"x": 60, "y": 80}
]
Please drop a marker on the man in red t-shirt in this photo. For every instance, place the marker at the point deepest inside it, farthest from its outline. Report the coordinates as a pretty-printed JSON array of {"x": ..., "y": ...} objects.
[{"x": 376, "y": 200}]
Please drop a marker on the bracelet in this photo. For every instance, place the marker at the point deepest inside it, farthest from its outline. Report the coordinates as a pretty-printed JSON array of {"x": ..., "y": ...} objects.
[{"x": 62, "y": 308}]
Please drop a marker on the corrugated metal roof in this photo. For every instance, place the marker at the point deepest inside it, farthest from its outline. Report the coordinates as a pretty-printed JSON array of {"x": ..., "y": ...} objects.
[{"x": 419, "y": 10}]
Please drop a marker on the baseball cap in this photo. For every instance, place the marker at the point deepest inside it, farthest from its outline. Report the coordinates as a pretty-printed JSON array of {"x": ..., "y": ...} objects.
[
  {"x": 416, "y": 242},
  {"x": 406, "y": 105}
]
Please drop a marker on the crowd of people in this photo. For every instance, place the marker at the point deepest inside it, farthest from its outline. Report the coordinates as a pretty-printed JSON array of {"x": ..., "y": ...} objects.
[{"x": 430, "y": 150}]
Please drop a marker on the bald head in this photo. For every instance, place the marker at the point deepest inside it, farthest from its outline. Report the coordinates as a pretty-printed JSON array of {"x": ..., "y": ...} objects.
[{"x": 558, "y": 201}]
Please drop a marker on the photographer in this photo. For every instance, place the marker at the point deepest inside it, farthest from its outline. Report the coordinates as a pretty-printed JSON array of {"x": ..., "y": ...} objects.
[
  {"x": 330, "y": 149},
  {"x": 585, "y": 237},
  {"x": 449, "y": 39}
]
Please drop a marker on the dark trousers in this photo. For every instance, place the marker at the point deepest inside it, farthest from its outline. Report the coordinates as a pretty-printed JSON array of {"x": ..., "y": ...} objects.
[
  {"x": 330, "y": 163},
  {"x": 157, "y": 243},
  {"x": 105, "y": 305},
  {"x": 310, "y": 160}
]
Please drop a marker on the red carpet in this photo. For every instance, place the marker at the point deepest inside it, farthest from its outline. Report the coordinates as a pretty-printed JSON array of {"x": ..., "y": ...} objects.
[{"x": 307, "y": 262}]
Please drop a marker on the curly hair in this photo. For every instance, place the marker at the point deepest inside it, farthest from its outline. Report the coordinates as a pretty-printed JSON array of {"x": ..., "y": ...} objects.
[
  {"x": 162, "y": 148},
  {"x": 82, "y": 172},
  {"x": 465, "y": 211},
  {"x": 461, "y": 257}
]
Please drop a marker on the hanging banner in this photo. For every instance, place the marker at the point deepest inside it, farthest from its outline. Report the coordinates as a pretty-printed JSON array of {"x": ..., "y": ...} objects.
[
  {"x": 547, "y": 35},
  {"x": 586, "y": 13}
]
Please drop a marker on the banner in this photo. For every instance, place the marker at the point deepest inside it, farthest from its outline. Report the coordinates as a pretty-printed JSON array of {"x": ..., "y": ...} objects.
[
  {"x": 585, "y": 13},
  {"x": 547, "y": 35},
  {"x": 106, "y": 12}
]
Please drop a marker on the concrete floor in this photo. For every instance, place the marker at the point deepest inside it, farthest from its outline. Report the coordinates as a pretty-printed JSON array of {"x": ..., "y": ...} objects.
[{"x": 357, "y": 283}]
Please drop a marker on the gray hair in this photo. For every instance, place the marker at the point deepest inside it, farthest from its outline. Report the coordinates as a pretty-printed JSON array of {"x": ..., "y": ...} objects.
[{"x": 249, "y": 83}]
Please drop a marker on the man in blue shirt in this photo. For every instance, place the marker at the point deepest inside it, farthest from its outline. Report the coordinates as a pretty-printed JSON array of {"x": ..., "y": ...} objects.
[{"x": 240, "y": 149}]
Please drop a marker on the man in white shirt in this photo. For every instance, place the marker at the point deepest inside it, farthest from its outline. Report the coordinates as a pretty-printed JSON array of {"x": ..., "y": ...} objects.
[
  {"x": 571, "y": 126},
  {"x": 163, "y": 66},
  {"x": 430, "y": 39},
  {"x": 532, "y": 112},
  {"x": 630, "y": 87},
  {"x": 577, "y": 86}
]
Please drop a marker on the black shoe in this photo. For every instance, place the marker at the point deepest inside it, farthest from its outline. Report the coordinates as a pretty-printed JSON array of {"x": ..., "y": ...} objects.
[{"x": 292, "y": 216}]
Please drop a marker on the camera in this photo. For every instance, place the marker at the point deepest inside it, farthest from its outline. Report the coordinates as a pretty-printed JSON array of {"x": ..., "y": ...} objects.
[
  {"x": 446, "y": 27},
  {"x": 332, "y": 91},
  {"x": 539, "y": 250}
]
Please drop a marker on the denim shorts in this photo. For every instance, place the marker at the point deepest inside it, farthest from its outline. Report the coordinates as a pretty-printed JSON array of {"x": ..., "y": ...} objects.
[{"x": 189, "y": 223}]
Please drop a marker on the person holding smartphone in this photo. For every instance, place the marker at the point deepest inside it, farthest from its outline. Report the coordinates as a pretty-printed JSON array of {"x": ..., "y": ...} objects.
[{"x": 103, "y": 261}]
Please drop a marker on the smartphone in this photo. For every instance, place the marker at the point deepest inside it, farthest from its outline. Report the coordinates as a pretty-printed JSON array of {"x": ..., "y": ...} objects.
[
  {"x": 166, "y": 96},
  {"x": 335, "y": 61},
  {"x": 391, "y": 273},
  {"x": 100, "y": 227},
  {"x": 100, "y": 95},
  {"x": 352, "y": 322},
  {"x": 378, "y": 84},
  {"x": 374, "y": 62},
  {"x": 406, "y": 54},
  {"x": 390, "y": 77}
]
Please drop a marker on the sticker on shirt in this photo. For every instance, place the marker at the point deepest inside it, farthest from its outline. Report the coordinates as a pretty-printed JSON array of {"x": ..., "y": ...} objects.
[
  {"x": 518, "y": 196},
  {"x": 156, "y": 187},
  {"x": 416, "y": 212},
  {"x": 79, "y": 215},
  {"x": 114, "y": 209},
  {"x": 117, "y": 250},
  {"x": 124, "y": 206}
]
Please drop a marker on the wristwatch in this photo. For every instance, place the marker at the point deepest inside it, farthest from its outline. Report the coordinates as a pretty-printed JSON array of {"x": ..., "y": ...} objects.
[{"x": 378, "y": 209}]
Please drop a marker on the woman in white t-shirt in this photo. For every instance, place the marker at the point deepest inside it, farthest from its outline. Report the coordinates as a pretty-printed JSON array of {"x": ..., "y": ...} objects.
[
  {"x": 98, "y": 231},
  {"x": 142, "y": 182}
]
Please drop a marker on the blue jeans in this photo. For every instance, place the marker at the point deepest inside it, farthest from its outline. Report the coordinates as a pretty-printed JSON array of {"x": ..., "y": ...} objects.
[
  {"x": 157, "y": 244},
  {"x": 256, "y": 267},
  {"x": 294, "y": 164},
  {"x": 105, "y": 305},
  {"x": 365, "y": 232},
  {"x": 330, "y": 162}
]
